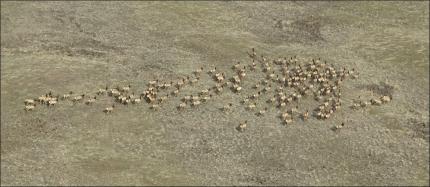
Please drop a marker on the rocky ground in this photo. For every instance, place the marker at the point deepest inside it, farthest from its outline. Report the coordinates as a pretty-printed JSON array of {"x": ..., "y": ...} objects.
[{"x": 83, "y": 46}]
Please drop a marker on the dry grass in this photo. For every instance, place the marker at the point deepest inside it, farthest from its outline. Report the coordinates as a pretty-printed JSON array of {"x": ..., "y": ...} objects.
[{"x": 80, "y": 46}]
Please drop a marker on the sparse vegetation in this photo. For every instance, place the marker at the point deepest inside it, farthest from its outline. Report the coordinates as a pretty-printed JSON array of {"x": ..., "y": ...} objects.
[{"x": 340, "y": 93}]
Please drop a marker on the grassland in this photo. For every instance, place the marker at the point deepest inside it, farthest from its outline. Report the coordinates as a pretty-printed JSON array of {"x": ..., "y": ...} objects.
[{"x": 81, "y": 46}]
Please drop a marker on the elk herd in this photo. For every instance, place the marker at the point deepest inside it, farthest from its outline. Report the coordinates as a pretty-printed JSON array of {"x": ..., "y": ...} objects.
[{"x": 263, "y": 83}]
